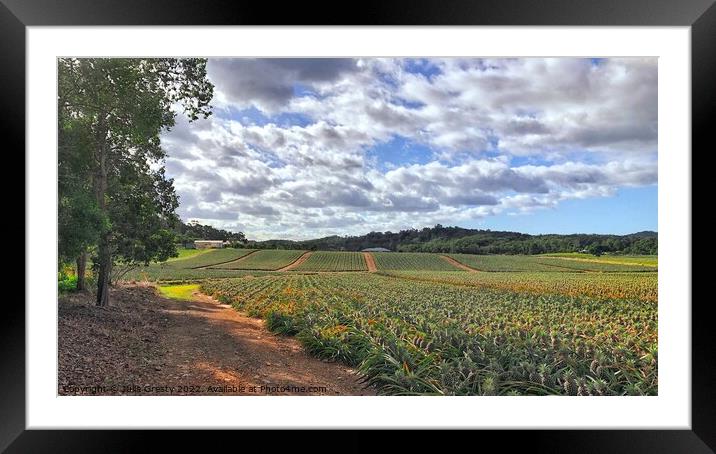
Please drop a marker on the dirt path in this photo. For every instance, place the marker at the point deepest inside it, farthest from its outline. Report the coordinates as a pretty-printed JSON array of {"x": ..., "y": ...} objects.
[
  {"x": 370, "y": 262},
  {"x": 296, "y": 263},
  {"x": 462, "y": 266},
  {"x": 154, "y": 343}
]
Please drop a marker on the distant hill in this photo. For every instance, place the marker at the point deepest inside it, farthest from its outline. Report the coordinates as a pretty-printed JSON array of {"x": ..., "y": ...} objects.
[{"x": 474, "y": 241}]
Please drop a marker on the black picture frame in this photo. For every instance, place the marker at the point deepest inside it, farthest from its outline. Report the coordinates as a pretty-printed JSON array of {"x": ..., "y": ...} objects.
[{"x": 700, "y": 15}]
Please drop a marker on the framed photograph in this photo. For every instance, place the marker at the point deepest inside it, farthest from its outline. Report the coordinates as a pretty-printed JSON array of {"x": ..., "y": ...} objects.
[{"x": 402, "y": 217}]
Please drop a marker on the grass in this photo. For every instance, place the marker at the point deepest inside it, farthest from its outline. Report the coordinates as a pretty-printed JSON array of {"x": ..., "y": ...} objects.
[
  {"x": 188, "y": 253},
  {"x": 179, "y": 292}
]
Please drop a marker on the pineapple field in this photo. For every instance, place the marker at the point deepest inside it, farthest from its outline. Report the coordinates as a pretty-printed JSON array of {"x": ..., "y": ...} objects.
[
  {"x": 207, "y": 258},
  {"x": 334, "y": 261},
  {"x": 639, "y": 286},
  {"x": 268, "y": 260},
  {"x": 550, "y": 263},
  {"x": 410, "y": 336},
  {"x": 421, "y": 324},
  {"x": 412, "y": 261}
]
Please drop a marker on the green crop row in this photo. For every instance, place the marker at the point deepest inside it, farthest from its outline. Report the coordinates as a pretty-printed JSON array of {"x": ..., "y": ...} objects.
[
  {"x": 158, "y": 273},
  {"x": 609, "y": 286},
  {"x": 334, "y": 261},
  {"x": 212, "y": 257},
  {"x": 502, "y": 263},
  {"x": 412, "y": 261},
  {"x": 270, "y": 259}
]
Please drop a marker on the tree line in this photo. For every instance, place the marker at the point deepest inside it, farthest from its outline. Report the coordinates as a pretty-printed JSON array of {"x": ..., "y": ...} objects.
[
  {"x": 473, "y": 241},
  {"x": 187, "y": 233},
  {"x": 116, "y": 207}
]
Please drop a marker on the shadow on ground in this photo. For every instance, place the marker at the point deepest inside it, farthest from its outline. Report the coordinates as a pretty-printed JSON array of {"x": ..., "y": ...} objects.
[{"x": 146, "y": 344}]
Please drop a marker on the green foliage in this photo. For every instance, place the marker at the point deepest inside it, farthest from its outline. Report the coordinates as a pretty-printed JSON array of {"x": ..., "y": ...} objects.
[
  {"x": 493, "y": 242},
  {"x": 191, "y": 231},
  {"x": 142, "y": 214},
  {"x": 473, "y": 241},
  {"x": 79, "y": 219},
  {"x": 66, "y": 282},
  {"x": 596, "y": 249},
  {"x": 281, "y": 323},
  {"x": 79, "y": 223}
]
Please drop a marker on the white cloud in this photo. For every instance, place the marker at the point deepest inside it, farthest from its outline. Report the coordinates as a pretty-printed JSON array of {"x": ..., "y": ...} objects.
[
  {"x": 269, "y": 83},
  {"x": 506, "y": 136}
]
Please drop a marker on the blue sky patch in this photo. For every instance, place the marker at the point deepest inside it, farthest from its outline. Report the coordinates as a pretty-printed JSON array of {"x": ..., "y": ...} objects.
[
  {"x": 253, "y": 116},
  {"x": 422, "y": 66},
  {"x": 630, "y": 210},
  {"x": 399, "y": 152}
]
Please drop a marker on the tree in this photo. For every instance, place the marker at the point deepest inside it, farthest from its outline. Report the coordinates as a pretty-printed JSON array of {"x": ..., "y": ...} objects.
[
  {"x": 79, "y": 221},
  {"x": 144, "y": 220},
  {"x": 79, "y": 226},
  {"x": 193, "y": 230},
  {"x": 123, "y": 105}
]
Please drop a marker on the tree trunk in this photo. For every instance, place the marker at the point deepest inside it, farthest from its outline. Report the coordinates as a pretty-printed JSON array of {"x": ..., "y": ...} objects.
[
  {"x": 100, "y": 186},
  {"x": 81, "y": 268},
  {"x": 103, "y": 274}
]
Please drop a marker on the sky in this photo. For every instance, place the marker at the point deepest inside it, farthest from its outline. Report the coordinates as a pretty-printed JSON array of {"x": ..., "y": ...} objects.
[{"x": 306, "y": 148}]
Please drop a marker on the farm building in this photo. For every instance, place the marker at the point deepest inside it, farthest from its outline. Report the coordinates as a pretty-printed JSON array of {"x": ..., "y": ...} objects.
[
  {"x": 376, "y": 249},
  {"x": 208, "y": 244}
]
